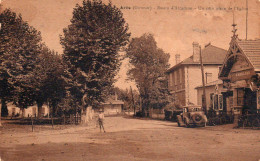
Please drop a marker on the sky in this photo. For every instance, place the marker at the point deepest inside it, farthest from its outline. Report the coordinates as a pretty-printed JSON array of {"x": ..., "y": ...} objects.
[{"x": 175, "y": 24}]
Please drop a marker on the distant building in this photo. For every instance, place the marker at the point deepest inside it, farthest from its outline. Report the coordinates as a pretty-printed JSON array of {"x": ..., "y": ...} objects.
[
  {"x": 112, "y": 106},
  {"x": 28, "y": 112},
  {"x": 185, "y": 76}
]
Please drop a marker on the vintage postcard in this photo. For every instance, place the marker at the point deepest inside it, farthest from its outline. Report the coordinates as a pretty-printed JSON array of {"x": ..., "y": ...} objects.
[{"x": 130, "y": 80}]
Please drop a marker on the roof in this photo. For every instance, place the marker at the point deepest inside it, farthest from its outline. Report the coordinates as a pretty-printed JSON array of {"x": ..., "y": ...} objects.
[
  {"x": 210, "y": 55},
  {"x": 251, "y": 48},
  {"x": 113, "y": 102},
  {"x": 248, "y": 48},
  {"x": 213, "y": 83}
]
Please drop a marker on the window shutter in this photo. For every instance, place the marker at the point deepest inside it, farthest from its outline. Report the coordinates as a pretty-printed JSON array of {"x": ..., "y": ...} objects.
[
  {"x": 220, "y": 102},
  {"x": 215, "y": 102}
]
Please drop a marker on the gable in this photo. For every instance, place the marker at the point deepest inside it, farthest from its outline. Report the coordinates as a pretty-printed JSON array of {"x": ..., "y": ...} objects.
[
  {"x": 237, "y": 65},
  {"x": 241, "y": 69},
  {"x": 241, "y": 63}
]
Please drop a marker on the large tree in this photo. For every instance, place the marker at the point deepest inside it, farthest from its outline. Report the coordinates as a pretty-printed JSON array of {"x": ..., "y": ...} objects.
[
  {"x": 47, "y": 79},
  {"x": 19, "y": 50},
  {"x": 149, "y": 64},
  {"x": 92, "y": 45}
]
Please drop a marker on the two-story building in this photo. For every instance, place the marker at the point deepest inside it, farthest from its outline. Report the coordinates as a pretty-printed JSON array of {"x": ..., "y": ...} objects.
[
  {"x": 185, "y": 76},
  {"x": 237, "y": 89}
]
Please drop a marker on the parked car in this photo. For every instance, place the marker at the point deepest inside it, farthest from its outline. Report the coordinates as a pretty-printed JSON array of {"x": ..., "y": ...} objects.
[
  {"x": 171, "y": 114},
  {"x": 192, "y": 116}
]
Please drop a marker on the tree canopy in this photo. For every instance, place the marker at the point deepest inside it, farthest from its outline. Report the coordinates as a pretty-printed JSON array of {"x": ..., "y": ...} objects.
[
  {"x": 19, "y": 50},
  {"x": 149, "y": 64},
  {"x": 92, "y": 45},
  {"x": 29, "y": 71}
]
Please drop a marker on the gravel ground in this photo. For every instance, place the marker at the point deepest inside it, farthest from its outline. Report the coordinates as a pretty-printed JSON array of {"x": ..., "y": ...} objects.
[{"x": 128, "y": 139}]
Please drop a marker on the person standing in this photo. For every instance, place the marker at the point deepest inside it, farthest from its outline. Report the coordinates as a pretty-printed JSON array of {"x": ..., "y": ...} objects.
[{"x": 101, "y": 120}]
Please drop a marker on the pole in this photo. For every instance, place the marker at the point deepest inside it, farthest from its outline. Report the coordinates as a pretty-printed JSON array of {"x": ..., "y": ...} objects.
[
  {"x": 204, "y": 106},
  {"x": 32, "y": 122},
  {"x": 132, "y": 98},
  {"x": 246, "y": 17},
  {"x": 1, "y": 100},
  {"x": 51, "y": 109},
  {"x": 0, "y": 113}
]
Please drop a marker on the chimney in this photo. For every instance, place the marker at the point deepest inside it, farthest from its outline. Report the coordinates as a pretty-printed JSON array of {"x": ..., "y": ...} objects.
[
  {"x": 196, "y": 52},
  {"x": 177, "y": 58}
]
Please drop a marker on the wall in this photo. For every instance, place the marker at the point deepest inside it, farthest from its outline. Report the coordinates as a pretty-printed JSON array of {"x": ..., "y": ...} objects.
[
  {"x": 184, "y": 80},
  {"x": 209, "y": 90},
  {"x": 195, "y": 79},
  {"x": 177, "y": 84},
  {"x": 177, "y": 79},
  {"x": 32, "y": 110},
  {"x": 110, "y": 109},
  {"x": 12, "y": 109}
]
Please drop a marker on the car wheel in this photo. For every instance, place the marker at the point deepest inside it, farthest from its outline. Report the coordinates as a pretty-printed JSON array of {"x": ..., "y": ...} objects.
[
  {"x": 186, "y": 123},
  {"x": 197, "y": 118}
]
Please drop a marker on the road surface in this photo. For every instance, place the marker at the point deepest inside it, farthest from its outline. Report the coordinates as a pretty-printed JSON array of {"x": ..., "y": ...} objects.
[{"x": 129, "y": 139}]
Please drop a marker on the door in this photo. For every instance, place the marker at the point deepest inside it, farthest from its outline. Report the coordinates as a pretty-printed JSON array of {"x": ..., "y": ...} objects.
[{"x": 249, "y": 101}]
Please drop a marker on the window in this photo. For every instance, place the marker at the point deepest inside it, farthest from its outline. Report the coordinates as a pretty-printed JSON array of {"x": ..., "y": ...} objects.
[
  {"x": 217, "y": 100},
  {"x": 175, "y": 76},
  {"x": 215, "y": 105},
  {"x": 173, "y": 80},
  {"x": 220, "y": 102},
  {"x": 180, "y": 71},
  {"x": 240, "y": 97},
  {"x": 178, "y": 77},
  {"x": 183, "y": 78}
]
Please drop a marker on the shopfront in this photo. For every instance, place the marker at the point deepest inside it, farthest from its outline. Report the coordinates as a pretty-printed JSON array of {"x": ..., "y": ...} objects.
[{"x": 239, "y": 74}]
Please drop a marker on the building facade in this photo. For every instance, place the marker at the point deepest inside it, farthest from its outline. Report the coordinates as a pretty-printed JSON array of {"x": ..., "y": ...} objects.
[
  {"x": 28, "y": 112},
  {"x": 215, "y": 94},
  {"x": 112, "y": 106},
  {"x": 185, "y": 76},
  {"x": 240, "y": 76}
]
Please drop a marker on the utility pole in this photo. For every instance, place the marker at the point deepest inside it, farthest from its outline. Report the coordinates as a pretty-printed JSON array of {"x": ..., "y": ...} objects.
[
  {"x": 1, "y": 100},
  {"x": 246, "y": 17},
  {"x": 204, "y": 106},
  {"x": 133, "y": 101}
]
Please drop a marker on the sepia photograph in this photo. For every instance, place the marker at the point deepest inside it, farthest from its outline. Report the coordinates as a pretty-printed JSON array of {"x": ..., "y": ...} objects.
[{"x": 126, "y": 80}]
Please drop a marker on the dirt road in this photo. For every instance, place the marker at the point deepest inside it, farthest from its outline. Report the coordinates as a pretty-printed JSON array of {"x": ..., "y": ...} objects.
[{"x": 129, "y": 139}]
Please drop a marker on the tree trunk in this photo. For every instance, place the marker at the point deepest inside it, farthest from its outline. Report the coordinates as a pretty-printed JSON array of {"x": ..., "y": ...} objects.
[
  {"x": 4, "y": 110},
  {"x": 143, "y": 109},
  {"x": 51, "y": 112},
  {"x": 87, "y": 115},
  {"x": 39, "y": 105},
  {"x": 64, "y": 119},
  {"x": 32, "y": 122},
  {"x": 23, "y": 112},
  {"x": 84, "y": 117},
  {"x": 0, "y": 115},
  {"x": 52, "y": 123}
]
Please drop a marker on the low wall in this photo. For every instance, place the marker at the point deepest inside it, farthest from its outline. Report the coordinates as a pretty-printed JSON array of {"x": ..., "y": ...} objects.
[{"x": 157, "y": 114}]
